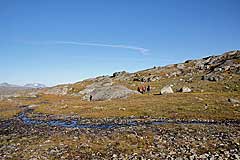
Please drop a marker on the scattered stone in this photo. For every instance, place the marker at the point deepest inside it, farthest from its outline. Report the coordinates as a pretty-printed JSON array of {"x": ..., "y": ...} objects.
[
  {"x": 33, "y": 106},
  {"x": 206, "y": 106},
  {"x": 122, "y": 109},
  {"x": 176, "y": 73},
  {"x": 166, "y": 90},
  {"x": 64, "y": 107},
  {"x": 232, "y": 100},
  {"x": 171, "y": 142},
  {"x": 185, "y": 90},
  {"x": 211, "y": 77},
  {"x": 180, "y": 66}
]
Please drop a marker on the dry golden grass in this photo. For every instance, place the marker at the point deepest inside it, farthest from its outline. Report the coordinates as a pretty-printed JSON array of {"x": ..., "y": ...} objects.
[
  {"x": 8, "y": 109},
  {"x": 177, "y": 105}
]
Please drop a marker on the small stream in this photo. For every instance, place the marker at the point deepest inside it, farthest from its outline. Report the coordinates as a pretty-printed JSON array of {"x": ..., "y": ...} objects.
[{"x": 109, "y": 125}]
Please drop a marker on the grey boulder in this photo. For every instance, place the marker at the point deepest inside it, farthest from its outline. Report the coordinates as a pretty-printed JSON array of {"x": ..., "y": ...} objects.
[
  {"x": 166, "y": 90},
  {"x": 185, "y": 90},
  {"x": 106, "y": 90}
]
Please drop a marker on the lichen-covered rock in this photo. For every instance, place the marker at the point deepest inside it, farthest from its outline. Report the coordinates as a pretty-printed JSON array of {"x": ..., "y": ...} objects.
[{"x": 106, "y": 90}]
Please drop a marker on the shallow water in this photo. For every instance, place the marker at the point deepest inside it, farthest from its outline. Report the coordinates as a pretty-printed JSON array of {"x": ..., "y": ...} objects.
[
  {"x": 72, "y": 124},
  {"x": 75, "y": 123}
]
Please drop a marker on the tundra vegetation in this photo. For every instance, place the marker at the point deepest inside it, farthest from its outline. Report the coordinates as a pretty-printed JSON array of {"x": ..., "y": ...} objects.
[{"x": 204, "y": 90}]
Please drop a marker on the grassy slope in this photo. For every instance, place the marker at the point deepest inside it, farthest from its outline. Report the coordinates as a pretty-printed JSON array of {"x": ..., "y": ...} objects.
[
  {"x": 177, "y": 105},
  {"x": 8, "y": 109}
]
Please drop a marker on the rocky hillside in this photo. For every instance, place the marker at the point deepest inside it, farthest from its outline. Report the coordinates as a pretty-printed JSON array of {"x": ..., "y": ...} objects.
[{"x": 210, "y": 74}]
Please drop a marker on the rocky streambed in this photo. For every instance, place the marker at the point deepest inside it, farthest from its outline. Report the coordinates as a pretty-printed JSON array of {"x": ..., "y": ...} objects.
[
  {"x": 38, "y": 136},
  {"x": 108, "y": 123}
]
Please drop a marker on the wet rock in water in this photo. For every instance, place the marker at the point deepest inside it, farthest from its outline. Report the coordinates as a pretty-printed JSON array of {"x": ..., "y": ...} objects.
[
  {"x": 166, "y": 90},
  {"x": 185, "y": 90},
  {"x": 231, "y": 100}
]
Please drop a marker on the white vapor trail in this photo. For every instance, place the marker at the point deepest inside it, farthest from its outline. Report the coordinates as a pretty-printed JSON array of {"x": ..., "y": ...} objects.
[{"x": 141, "y": 50}]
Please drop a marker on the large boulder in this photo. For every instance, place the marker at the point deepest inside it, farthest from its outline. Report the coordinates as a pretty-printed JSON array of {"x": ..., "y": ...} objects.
[
  {"x": 166, "y": 90},
  {"x": 98, "y": 84},
  {"x": 106, "y": 90}
]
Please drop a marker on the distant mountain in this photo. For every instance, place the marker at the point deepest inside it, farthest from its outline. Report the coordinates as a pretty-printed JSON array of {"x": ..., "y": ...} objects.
[
  {"x": 7, "y": 89},
  {"x": 29, "y": 85},
  {"x": 11, "y": 89},
  {"x": 8, "y": 85},
  {"x": 34, "y": 85}
]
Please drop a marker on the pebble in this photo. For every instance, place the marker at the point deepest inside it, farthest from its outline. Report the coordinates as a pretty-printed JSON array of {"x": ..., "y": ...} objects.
[{"x": 168, "y": 141}]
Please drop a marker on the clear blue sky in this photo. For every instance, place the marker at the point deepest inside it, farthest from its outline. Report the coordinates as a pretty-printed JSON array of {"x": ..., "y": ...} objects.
[{"x": 62, "y": 41}]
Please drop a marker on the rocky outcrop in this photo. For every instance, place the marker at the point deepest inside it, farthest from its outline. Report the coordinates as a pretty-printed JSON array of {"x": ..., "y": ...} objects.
[
  {"x": 106, "y": 90},
  {"x": 58, "y": 90},
  {"x": 117, "y": 74},
  {"x": 121, "y": 76},
  {"x": 229, "y": 61},
  {"x": 212, "y": 77}
]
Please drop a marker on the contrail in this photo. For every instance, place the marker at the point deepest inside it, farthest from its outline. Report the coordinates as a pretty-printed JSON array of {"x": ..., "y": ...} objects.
[{"x": 141, "y": 50}]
